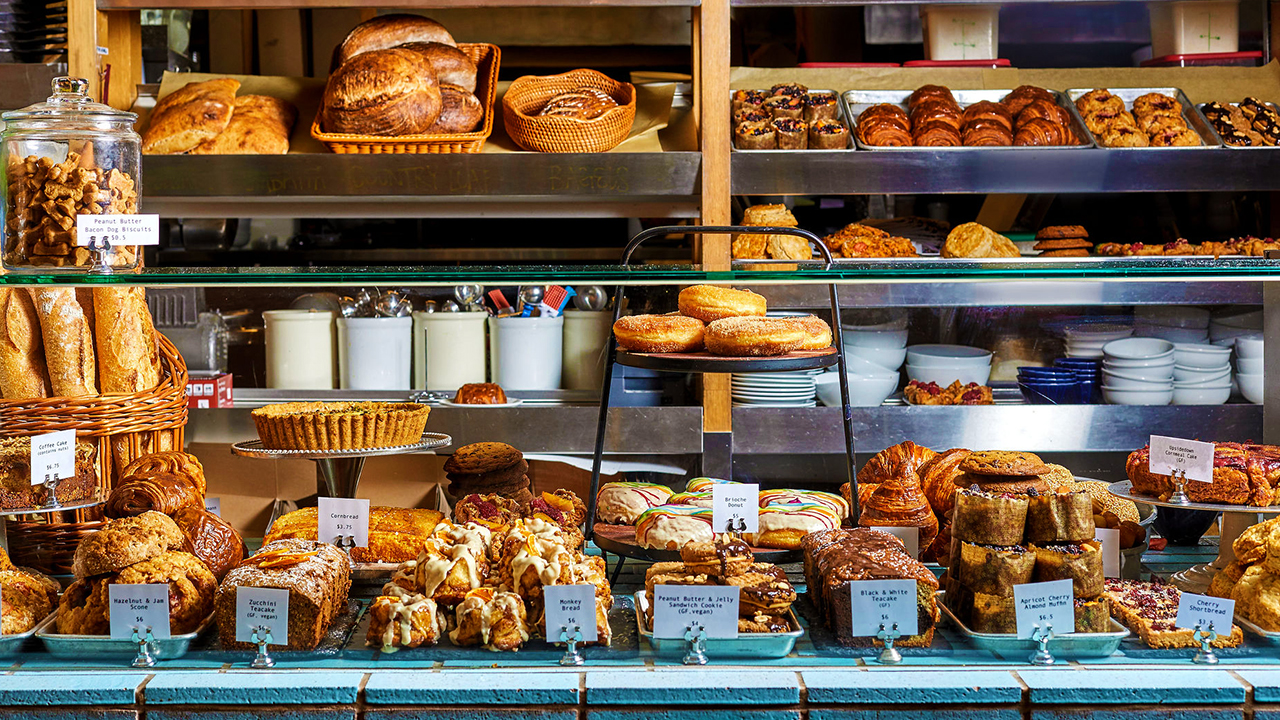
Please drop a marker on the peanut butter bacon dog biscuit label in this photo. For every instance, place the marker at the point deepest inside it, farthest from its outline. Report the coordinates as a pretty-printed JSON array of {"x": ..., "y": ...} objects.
[
  {"x": 569, "y": 605},
  {"x": 262, "y": 607},
  {"x": 213, "y": 505},
  {"x": 1044, "y": 603},
  {"x": 1201, "y": 610},
  {"x": 139, "y": 607},
  {"x": 884, "y": 602},
  {"x": 118, "y": 230},
  {"x": 1175, "y": 454},
  {"x": 910, "y": 536},
  {"x": 676, "y": 607},
  {"x": 735, "y": 503},
  {"x": 53, "y": 456},
  {"x": 343, "y": 518},
  {"x": 1110, "y": 539}
]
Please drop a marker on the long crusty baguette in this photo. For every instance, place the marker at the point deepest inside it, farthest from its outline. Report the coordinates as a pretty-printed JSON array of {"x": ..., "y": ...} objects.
[
  {"x": 22, "y": 372},
  {"x": 128, "y": 357},
  {"x": 68, "y": 342}
]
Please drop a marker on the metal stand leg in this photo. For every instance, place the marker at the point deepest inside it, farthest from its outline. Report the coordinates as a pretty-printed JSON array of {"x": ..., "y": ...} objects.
[
  {"x": 1196, "y": 579},
  {"x": 617, "y": 570},
  {"x": 846, "y": 412},
  {"x": 338, "y": 477}
]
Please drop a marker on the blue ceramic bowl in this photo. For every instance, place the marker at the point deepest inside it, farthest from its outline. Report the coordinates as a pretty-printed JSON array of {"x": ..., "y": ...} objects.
[
  {"x": 1077, "y": 363},
  {"x": 1050, "y": 393}
]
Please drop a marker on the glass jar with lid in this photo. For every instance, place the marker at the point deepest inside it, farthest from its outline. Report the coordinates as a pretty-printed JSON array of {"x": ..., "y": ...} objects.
[{"x": 65, "y": 158}]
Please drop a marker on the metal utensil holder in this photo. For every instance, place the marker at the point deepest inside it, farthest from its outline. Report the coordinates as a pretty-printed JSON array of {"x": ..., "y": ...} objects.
[
  {"x": 571, "y": 635},
  {"x": 1205, "y": 655},
  {"x": 1042, "y": 636},
  {"x": 611, "y": 356}
]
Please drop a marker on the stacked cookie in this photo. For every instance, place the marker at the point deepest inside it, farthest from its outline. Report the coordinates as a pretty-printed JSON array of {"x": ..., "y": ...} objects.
[
  {"x": 489, "y": 468},
  {"x": 765, "y": 594},
  {"x": 1063, "y": 241}
]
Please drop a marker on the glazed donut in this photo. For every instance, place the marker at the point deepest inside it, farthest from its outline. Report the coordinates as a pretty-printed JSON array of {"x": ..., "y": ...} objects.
[
  {"x": 704, "y": 484},
  {"x": 709, "y": 302},
  {"x": 783, "y": 526},
  {"x": 624, "y": 502},
  {"x": 754, "y": 336},
  {"x": 697, "y": 499},
  {"x": 800, "y": 497},
  {"x": 817, "y": 333},
  {"x": 659, "y": 333},
  {"x": 671, "y": 527}
]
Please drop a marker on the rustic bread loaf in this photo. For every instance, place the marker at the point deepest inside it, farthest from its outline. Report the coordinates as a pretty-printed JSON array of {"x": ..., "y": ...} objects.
[
  {"x": 388, "y": 31},
  {"x": 190, "y": 115},
  {"x": 381, "y": 92},
  {"x": 68, "y": 342},
  {"x": 260, "y": 125},
  {"x": 125, "y": 339},
  {"x": 22, "y": 370}
]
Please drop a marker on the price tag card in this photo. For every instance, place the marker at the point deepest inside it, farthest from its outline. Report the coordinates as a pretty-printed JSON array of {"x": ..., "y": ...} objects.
[
  {"x": 1202, "y": 610},
  {"x": 53, "y": 456},
  {"x": 1110, "y": 539},
  {"x": 117, "y": 230},
  {"x": 734, "y": 502},
  {"x": 1169, "y": 454},
  {"x": 715, "y": 608},
  {"x": 569, "y": 605},
  {"x": 1044, "y": 603},
  {"x": 258, "y": 607},
  {"x": 213, "y": 505},
  {"x": 343, "y": 518},
  {"x": 910, "y": 536},
  {"x": 141, "y": 607},
  {"x": 884, "y": 602}
]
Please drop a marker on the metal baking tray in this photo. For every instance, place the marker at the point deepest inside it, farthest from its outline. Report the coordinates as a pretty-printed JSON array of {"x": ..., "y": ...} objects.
[
  {"x": 11, "y": 645},
  {"x": 1193, "y": 117},
  {"x": 1068, "y": 646},
  {"x": 1268, "y": 636},
  {"x": 103, "y": 646},
  {"x": 856, "y": 101},
  {"x": 745, "y": 646},
  {"x": 840, "y": 115},
  {"x": 1213, "y": 129}
]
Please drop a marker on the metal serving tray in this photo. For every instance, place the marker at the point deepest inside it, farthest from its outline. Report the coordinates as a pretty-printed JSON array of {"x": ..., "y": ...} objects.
[
  {"x": 856, "y": 101},
  {"x": 10, "y": 645},
  {"x": 1068, "y": 646},
  {"x": 103, "y": 646},
  {"x": 1193, "y": 117},
  {"x": 1268, "y": 636},
  {"x": 1216, "y": 136},
  {"x": 840, "y": 115},
  {"x": 745, "y": 646}
]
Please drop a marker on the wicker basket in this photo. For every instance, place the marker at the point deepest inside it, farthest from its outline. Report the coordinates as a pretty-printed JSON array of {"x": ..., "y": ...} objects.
[
  {"x": 527, "y": 95},
  {"x": 486, "y": 58},
  {"x": 47, "y": 545}
]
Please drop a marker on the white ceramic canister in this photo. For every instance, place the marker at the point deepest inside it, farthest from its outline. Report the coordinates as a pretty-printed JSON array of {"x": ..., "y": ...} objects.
[
  {"x": 586, "y": 338},
  {"x": 300, "y": 349},
  {"x": 448, "y": 349},
  {"x": 526, "y": 353},
  {"x": 375, "y": 353}
]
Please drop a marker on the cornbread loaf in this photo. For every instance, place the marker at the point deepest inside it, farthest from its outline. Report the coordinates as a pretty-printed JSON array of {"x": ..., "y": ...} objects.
[
  {"x": 16, "y": 490},
  {"x": 85, "y": 608},
  {"x": 125, "y": 339},
  {"x": 383, "y": 92},
  {"x": 388, "y": 31},
  {"x": 395, "y": 534},
  {"x": 317, "y": 576},
  {"x": 123, "y": 542},
  {"x": 192, "y": 114},
  {"x": 68, "y": 342},
  {"x": 22, "y": 368},
  {"x": 260, "y": 125},
  {"x": 211, "y": 539},
  {"x": 340, "y": 425}
]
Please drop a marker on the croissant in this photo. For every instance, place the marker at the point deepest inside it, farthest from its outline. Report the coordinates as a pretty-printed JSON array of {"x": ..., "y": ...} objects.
[
  {"x": 930, "y": 92},
  {"x": 986, "y": 133},
  {"x": 886, "y": 113},
  {"x": 884, "y": 135},
  {"x": 182, "y": 464},
  {"x": 1024, "y": 95},
  {"x": 935, "y": 134},
  {"x": 938, "y": 478},
  {"x": 883, "y": 465},
  {"x": 864, "y": 491},
  {"x": 900, "y": 502},
  {"x": 164, "y": 492},
  {"x": 987, "y": 110},
  {"x": 1039, "y": 131},
  {"x": 1046, "y": 109},
  {"x": 933, "y": 111}
]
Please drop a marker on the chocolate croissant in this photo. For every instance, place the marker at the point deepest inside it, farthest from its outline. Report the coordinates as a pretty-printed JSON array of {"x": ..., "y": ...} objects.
[
  {"x": 987, "y": 110},
  {"x": 1046, "y": 109},
  {"x": 936, "y": 134},
  {"x": 986, "y": 133},
  {"x": 163, "y": 492},
  {"x": 884, "y": 112},
  {"x": 930, "y": 92},
  {"x": 883, "y": 134},
  {"x": 1024, "y": 95}
]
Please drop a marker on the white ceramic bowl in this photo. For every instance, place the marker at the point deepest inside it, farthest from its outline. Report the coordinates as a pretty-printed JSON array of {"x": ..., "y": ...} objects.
[
  {"x": 874, "y": 319},
  {"x": 1116, "y": 396},
  {"x": 1249, "y": 365},
  {"x": 861, "y": 366},
  {"x": 1101, "y": 332},
  {"x": 1172, "y": 316},
  {"x": 863, "y": 391},
  {"x": 944, "y": 376},
  {"x": 1250, "y": 387},
  {"x": 1087, "y": 354},
  {"x": 876, "y": 338},
  {"x": 1136, "y": 382},
  {"x": 1201, "y": 375},
  {"x": 1215, "y": 395},
  {"x": 1249, "y": 346},
  {"x": 886, "y": 358},
  {"x": 1138, "y": 348},
  {"x": 1127, "y": 365},
  {"x": 1200, "y": 355},
  {"x": 943, "y": 356},
  {"x": 1172, "y": 334}
]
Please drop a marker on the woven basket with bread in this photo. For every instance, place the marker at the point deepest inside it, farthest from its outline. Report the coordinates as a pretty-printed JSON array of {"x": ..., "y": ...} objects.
[{"x": 577, "y": 111}]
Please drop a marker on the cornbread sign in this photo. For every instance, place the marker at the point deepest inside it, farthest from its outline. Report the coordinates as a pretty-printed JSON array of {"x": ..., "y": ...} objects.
[
  {"x": 141, "y": 608},
  {"x": 570, "y": 605},
  {"x": 884, "y": 603},
  {"x": 259, "y": 608},
  {"x": 677, "y": 607},
  {"x": 1043, "y": 604},
  {"x": 1193, "y": 459},
  {"x": 344, "y": 521}
]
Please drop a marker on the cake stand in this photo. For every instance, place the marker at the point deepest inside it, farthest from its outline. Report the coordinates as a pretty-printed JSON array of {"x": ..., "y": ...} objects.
[
  {"x": 1235, "y": 520},
  {"x": 338, "y": 471},
  {"x": 92, "y": 501}
]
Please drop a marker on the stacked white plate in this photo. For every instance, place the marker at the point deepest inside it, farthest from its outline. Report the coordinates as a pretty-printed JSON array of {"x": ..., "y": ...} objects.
[
  {"x": 1201, "y": 374},
  {"x": 1086, "y": 341},
  {"x": 1249, "y": 367},
  {"x": 792, "y": 389},
  {"x": 1137, "y": 371},
  {"x": 1175, "y": 323}
]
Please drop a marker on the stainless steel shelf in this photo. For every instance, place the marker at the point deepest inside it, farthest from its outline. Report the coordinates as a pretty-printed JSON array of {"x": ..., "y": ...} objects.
[
  {"x": 998, "y": 292},
  {"x": 1034, "y": 428},
  {"x": 1001, "y": 171},
  {"x": 462, "y": 185},
  {"x": 394, "y": 4}
]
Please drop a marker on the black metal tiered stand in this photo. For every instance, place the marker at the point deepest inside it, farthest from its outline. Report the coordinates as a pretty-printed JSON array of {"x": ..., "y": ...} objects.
[{"x": 703, "y": 362}]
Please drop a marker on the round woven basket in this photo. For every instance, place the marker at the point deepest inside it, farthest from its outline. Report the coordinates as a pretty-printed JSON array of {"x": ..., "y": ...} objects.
[
  {"x": 528, "y": 94},
  {"x": 46, "y": 545}
]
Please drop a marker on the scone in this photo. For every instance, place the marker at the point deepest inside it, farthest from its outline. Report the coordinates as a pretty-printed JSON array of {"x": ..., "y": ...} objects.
[
  {"x": 121, "y": 543},
  {"x": 85, "y": 606}
]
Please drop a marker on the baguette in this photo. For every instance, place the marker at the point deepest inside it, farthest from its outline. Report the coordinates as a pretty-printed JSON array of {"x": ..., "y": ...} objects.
[
  {"x": 22, "y": 371},
  {"x": 68, "y": 342},
  {"x": 128, "y": 356}
]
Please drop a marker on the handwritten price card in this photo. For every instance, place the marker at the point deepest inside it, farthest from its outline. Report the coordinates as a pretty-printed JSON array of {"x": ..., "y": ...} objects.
[
  {"x": 884, "y": 602},
  {"x": 569, "y": 605},
  {"x": 140, "y": 607},
  {"x": 343, "y": 518},
  {"x": 1170, "y": 454},
  {"x": 1044, "y": 603},
  {"x": 676, "y": 606}
]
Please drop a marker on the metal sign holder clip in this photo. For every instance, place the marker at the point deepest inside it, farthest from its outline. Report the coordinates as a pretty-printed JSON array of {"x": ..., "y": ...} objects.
[
  {"x": 571, "y": 635},
  {"x": 1205, "y": 656},
  {"x": 1042, "y": 636},
  {"x": 261, "y": 637},
  {"x": 697, "y": 637},
  {"x": 890, "y": 654},
  {"x": 144, "y": 658}
]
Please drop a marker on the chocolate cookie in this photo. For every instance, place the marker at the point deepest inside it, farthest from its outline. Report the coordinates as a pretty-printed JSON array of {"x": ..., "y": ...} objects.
[
  {"x": 482, "y": 457},
  {"x": 505, "y": 476},
  {"x": 1078, "y": 252},
  {"x": 1004, "y": 462},
  {"x": 1057, "y": 232},
  {"x": 1063, "y": 244}
]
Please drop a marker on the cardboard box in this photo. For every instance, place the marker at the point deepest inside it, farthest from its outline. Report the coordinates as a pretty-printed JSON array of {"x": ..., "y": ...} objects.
[{"x": 209, "y": 390}]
